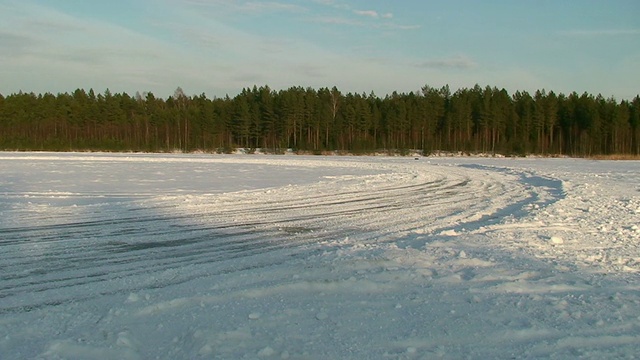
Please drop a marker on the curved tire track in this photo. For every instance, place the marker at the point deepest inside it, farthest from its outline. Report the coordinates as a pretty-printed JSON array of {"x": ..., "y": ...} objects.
[{"x": 123, "y": 246}]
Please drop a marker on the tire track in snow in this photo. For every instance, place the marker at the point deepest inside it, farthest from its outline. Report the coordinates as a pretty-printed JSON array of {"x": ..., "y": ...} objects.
[{"x": 154, "y": 242}]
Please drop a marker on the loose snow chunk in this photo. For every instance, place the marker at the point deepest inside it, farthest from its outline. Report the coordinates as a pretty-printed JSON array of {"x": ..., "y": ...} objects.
[
  {"x": 125, "y": 340},
  {"x": 66, "y": 350},
  {"x": 556, "y": 240},
  {"x": 206, "y": 350},
  {"x": 266, "y": 352}
]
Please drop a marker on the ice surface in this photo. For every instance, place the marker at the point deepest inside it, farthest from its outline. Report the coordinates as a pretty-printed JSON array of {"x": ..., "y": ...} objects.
[{"x": 141, "y": 256}]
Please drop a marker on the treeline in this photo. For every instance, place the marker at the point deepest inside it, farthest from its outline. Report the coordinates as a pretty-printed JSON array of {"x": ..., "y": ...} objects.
[{"x": 473, "y": 120}]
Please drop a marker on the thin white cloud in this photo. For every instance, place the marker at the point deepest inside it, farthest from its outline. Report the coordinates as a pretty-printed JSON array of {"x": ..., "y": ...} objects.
[
  {"x": 337, "y": 20},
  {"x": 246, "y": 6},
  {"x": 373, "y": 14},
  {"x": 60, "y": 52},
  {"x": 393, "y": 26},
  {"x": 268, "y": 6},
  {"x": 334, "y": 4},
  {"x": 600, "y": 32},
  {"x": 349, "y": 16},
  {"x": 368, "y": 13},
  {"x": 455, "y": 62},
  {"x": 14, "y": 45}
]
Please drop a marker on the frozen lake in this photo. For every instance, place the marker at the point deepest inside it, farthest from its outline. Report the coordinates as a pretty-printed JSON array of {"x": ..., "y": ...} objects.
[{"x": 144, "y": 256}]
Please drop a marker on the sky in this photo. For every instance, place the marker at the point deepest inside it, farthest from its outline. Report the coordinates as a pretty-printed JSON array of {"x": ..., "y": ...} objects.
[{"x": 219, "y": 47}]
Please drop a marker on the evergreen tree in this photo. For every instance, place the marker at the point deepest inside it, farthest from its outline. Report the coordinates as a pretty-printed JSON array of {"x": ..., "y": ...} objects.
[{"x": 477, "y": 119}]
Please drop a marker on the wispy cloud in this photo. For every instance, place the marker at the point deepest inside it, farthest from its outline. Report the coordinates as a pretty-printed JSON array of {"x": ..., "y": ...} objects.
[
  {"x": 455, "y": 62},
  {"x": 337, "y": 20},
  {"x": 15, "y": 45},
  {"x": 267, "y": 6},
  {"x": 333, "y": 4},
  {"x": 347, "y": 15},
  {"x": 247, "y": 6},
  {"x": 373, "y": 14},
  {"x": 368, "y": 13},
  {"x": 313, "y": 71},
  {"x": 600, "y": 32},
  {"x": 53, "y": 51},
  {"x": 394, "y": 26}
]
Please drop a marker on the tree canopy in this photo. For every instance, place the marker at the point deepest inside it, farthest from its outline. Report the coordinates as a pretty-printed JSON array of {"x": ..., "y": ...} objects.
[{"x": 472, "y": 120}]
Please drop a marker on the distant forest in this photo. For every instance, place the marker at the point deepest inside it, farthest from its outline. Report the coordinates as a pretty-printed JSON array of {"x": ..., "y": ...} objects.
[{"x": 470, "y": 120}]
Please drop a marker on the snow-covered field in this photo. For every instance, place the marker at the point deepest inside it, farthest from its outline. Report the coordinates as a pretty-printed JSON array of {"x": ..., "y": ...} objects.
[{"x": 141, "y": 256}]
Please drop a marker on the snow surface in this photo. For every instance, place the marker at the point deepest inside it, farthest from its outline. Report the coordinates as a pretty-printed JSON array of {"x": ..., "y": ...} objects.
[{"x": 141, "y": 256}]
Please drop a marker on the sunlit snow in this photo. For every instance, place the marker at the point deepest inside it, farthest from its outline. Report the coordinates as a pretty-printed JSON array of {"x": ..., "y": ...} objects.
[{"x": 159, "y": 256}]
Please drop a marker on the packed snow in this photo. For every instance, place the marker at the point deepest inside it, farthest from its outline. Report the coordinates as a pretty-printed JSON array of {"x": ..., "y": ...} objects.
[{"x": 170, "y": 256}]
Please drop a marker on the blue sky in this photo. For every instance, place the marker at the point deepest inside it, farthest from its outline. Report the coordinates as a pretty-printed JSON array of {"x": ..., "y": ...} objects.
[{"x": 217, "y": 47}]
